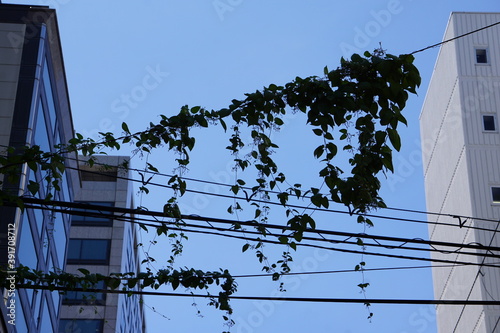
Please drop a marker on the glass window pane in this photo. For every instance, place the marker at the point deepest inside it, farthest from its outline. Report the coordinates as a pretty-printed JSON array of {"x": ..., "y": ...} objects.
[
  {"x": 58, "y": 237},
  {"x": 94, "y": 249},
  {"x": 26, "y": 248},
  {"x": 46, "y": 325},
  {"x": 74, "y": 248},
  {"x": 489, "y": 123},
  {"x": 495, "y": 192},
  {"x": 91, "y": 251},
  {"x": 48, "y": 93},
  {"x": 41, "y": 137},
  {"x": 93, "y": 217},
  {"x": 80, "y": 326},
  {"x": 85, "y": 297},
  {"x": 481, "y": 56}
]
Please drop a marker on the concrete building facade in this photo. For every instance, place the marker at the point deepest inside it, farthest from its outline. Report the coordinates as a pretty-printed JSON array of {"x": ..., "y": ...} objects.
[
  {"x": 103, "y": 243},
  {"x": 461, "y": 159}
]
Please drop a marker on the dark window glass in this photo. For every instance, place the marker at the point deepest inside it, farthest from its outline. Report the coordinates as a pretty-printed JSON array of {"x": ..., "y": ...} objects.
[
  {"x": 99, "y": 175},
  {"x": 41, "y": 135},
  {"x": 481, "y": 56},
  {"x": 85, "y": 297},
  {"x": 48, "y": 94},
  {"x": 489, "y": 123},
  {"x": 46, "y": 324},
  {"x": 88, "y": 251},
  {"x": 495, "y": 193},
  {"x": 57, "y": 236},
  {"x": 93, "y": 217},
  {"x": 27, "y": 255},
  {"x": 80, "y": 326}
]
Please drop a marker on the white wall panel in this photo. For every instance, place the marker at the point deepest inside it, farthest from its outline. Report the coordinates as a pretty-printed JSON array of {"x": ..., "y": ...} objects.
[{"x": 461, "y": 163}]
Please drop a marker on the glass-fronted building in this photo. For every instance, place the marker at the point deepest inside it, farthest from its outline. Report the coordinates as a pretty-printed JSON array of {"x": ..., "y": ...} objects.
[{"x": 34, "y": 110}]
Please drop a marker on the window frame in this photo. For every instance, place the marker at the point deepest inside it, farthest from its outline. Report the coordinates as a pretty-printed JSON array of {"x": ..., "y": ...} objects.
[
  {"x": 497, "y": 194},
  {"x": 82, "y": 220},
  {"x": 486, "y": 55},
  {"x": 72, "y": 297},
  {"x": 495, "y": 129},
  {"x": 69, "y": 323},
  {"x": 81, "y": 259}
]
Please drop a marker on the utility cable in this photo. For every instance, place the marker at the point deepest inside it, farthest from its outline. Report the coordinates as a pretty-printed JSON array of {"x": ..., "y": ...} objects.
[
  {"x": 228, "y": 196},
  {"x": 100, "y": 209},
  {"x": 475, "y": 280},
  {"x": 342, "y": 250},
  {"x": 277, "y": 299},
  {"x": 455, "y": 38}
]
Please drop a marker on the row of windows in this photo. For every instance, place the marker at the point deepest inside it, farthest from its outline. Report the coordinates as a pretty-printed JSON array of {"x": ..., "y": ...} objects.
[
  {"x": 91, "y": 217},
  {"x": 81, "y": 326}
]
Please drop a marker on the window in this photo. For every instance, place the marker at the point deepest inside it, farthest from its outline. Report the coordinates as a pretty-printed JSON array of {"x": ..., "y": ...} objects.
[
  {"x": 481, "y": 56},
  {"x": 495, "y": 194},
  {"x": 88, "y": 251},
  {"x": 93, "y": 217},
  {"x": 86, "y": 297},
  {"x": 103, "y": 174},
  {"x": 81, "y": 325},
  {"x": 489, "y": 123}
]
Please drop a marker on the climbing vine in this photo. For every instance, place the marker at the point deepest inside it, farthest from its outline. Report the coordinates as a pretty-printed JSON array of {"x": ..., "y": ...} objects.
[{"x": 354, "y": 110}]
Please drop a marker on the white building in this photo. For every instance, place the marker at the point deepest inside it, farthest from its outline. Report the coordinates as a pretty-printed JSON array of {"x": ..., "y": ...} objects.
[{"x": 461, "y": 160}]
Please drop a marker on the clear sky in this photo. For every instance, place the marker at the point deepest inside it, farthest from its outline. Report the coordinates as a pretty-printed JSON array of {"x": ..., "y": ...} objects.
[{"x": 133, "y": 60}]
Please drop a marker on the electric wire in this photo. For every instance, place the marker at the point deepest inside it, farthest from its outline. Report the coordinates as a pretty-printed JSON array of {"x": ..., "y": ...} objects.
[
  {"x": 475, "y": 280},
  {"x": 455, "y": 38},
  {"x": 100, "y": 209},
  {"x": 322, "y": 247},
  {"x": 465, "y": 217},
  {"x": 277, "y": 299},
  {"x": 383, "y": 217}
]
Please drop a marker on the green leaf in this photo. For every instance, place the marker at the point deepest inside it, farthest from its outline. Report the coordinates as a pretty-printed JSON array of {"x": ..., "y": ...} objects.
[
  {"x": 395, "y": 139},
  {"x": 283, "y": 239},
  {"x": 319, "y": 151},
  {"x": 33, "y": 187},
  {"x": 318, "y": 131},
  {"x": 245, "y": 247},
  {"x": 125, "y": 128}
]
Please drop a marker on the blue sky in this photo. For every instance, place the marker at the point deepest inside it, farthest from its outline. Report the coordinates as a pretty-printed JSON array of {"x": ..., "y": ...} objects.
[{"x": 131, "y": 61}]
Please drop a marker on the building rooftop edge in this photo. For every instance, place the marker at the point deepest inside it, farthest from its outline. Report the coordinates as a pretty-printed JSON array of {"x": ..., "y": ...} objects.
[{"x": 475, "y": 13}]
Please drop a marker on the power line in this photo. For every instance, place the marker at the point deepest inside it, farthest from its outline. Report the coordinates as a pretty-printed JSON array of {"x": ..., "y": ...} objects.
[
  {"x": 232, "y": 197},
  {"x": 455, "y": 38},
  {"x": 100, "y": 209},
  {"x": 299, "y": 244},
  {"x": 379, "y": 269},
  {"x": 384, "y": 217},
  {"x": 475, "y": 280},
  {"x": 276, "y": 299}
]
